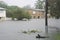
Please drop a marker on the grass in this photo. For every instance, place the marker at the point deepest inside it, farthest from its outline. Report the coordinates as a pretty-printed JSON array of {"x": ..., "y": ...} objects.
[{"x": 57, "y": 36}]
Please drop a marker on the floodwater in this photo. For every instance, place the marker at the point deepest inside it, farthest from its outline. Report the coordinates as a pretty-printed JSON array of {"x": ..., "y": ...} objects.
[{"x": 12, "y": 30}]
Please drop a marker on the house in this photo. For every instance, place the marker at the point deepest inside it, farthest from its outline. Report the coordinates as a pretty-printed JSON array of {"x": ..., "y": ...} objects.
[
  {"x": 2, "y": 14},
  {"x": 37, "y": 13}
]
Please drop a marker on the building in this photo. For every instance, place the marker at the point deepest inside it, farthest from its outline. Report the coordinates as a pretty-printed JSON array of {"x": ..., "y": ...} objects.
[
  {"x": 2, "y": 14},
  {"x": 37, "y": 13}
]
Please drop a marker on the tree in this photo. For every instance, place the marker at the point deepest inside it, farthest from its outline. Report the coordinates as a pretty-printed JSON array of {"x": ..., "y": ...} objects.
[
  {"x": 18, "y": 13},
  {"x": 21, "y": 14},
  {"x": 54, "y": 8},
  {"x": 3, "y": 4},
  {"x": 39, "y": 4},
  {"x": 27, "y": 7},
  {"x": 14, "y": 11},
  {"x": 27, "y": 15}
]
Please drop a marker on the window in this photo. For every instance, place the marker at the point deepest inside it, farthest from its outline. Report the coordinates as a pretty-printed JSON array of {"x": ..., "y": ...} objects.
[
  {"x": 1, "y": 10},
  {"x": 34, "y": 16},
  {"x": 38, "y": 17},
  {"x": 34, "y": 12},
  {"x": 0, "y": 17}
]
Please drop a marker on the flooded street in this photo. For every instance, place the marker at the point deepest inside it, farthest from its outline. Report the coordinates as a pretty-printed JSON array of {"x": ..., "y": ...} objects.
[{"x": 12, "y": 30}]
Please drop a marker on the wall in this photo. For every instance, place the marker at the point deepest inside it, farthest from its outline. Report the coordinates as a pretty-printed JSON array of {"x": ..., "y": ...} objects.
[
  {"x": 36, "y": 14},
  {"x": 3, "y": 15}
]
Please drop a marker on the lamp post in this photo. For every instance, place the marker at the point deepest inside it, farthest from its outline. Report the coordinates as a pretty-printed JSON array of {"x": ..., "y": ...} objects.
[{"x": 46, "y": 19}]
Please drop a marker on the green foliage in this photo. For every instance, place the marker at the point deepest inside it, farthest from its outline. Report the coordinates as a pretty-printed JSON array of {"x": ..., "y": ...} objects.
[
  {"x": 21, "y": 14},
  {"x": 15, "y": 11},
  {"x": 31, "y": 31},
  {"x": 24, "y": 32},
  {"x": 39, "y": 4},
  {"x": 27, "y": 7},
  {"x": 27, "y": 15},
  {"x": 34, "y": 31},
  {"x": 57, "y": 36},
  {"x": 3, "y": 4},
  {"x": 54, "y": 8}
]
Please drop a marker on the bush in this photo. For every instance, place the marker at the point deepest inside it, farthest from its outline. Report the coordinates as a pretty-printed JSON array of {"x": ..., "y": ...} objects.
[
  {"x": 31, "y": 31},
  {"x": 57, "y": 36},
  {"x": 24, "y": 32}
]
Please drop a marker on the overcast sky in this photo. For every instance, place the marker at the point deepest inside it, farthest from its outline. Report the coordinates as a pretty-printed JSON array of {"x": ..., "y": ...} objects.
[{"x": 20, "y": 3}]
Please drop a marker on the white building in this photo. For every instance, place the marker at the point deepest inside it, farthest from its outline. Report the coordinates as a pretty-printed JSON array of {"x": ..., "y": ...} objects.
[{"x": 2, "y": 14}]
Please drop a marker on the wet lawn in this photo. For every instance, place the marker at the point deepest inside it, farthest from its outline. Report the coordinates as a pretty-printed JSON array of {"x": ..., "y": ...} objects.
[{"x": 57, "y": 36}]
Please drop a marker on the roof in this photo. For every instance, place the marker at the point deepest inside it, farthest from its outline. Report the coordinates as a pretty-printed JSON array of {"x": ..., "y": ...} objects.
[
  {"x": 37, "y": 9},
  {"x": 1, "y": 8}
]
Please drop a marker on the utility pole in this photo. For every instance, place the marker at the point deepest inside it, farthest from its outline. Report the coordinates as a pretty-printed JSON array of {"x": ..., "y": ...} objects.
[{"x": 46, "y": 18}]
